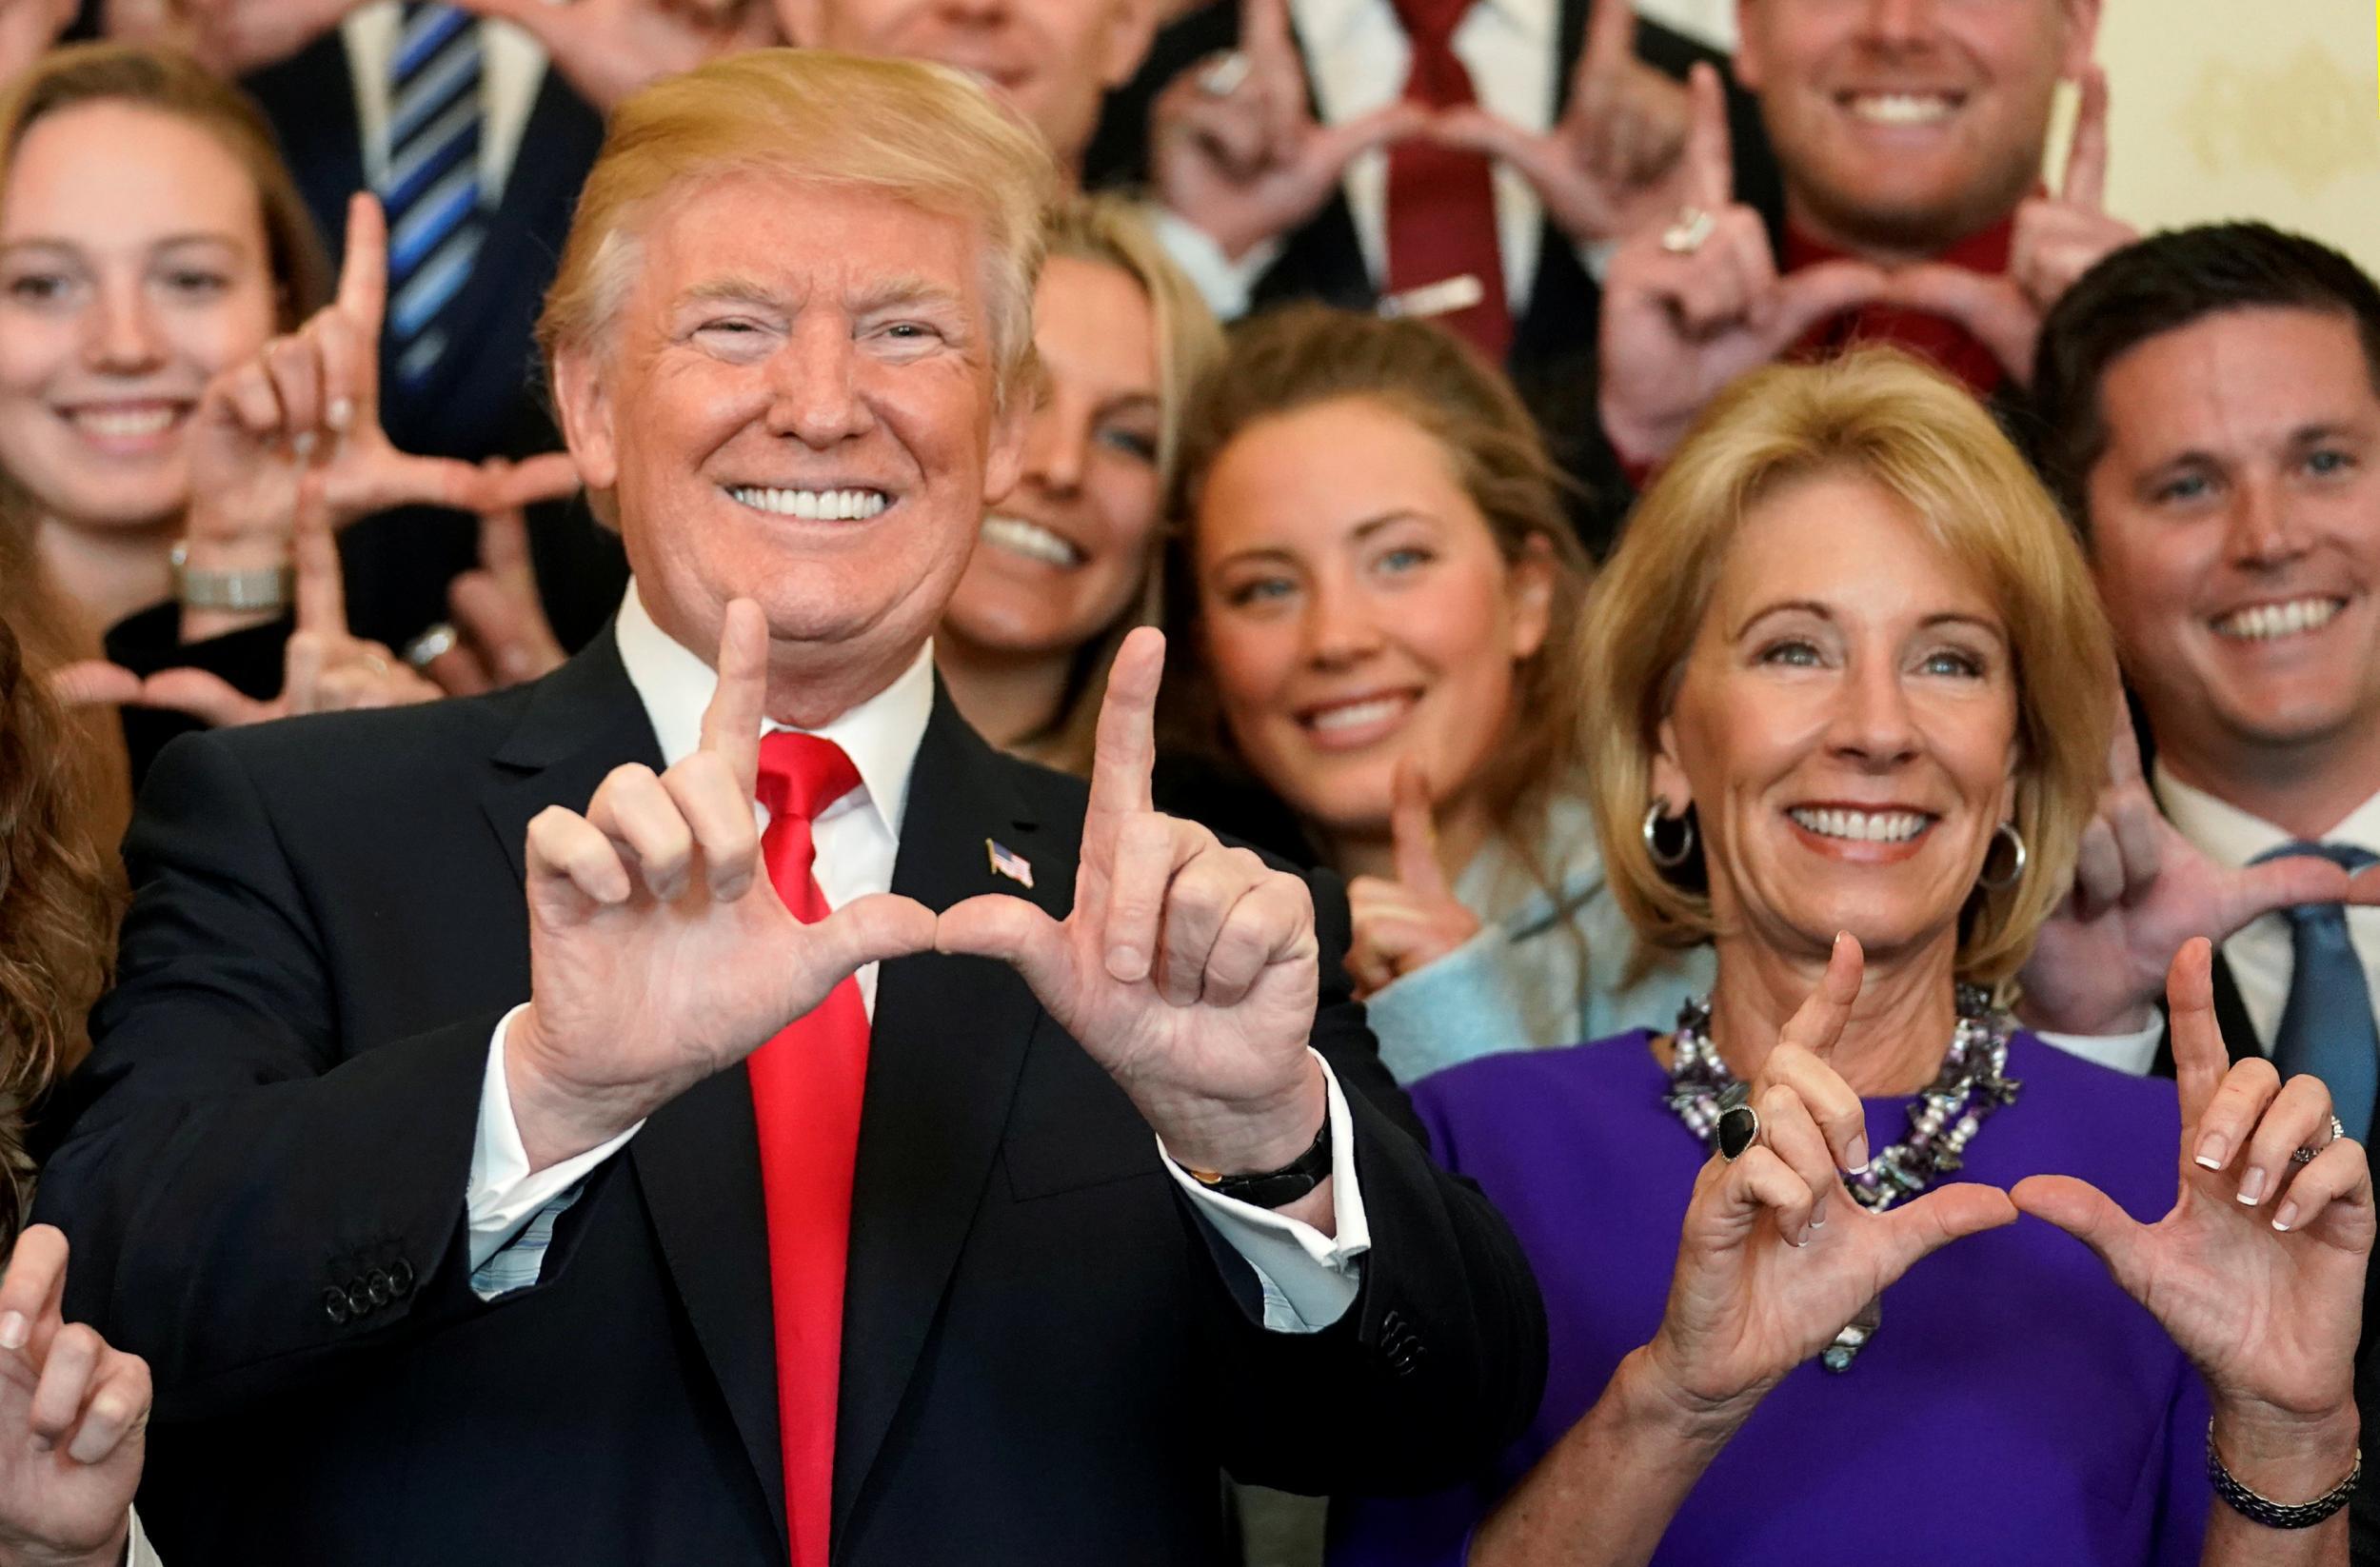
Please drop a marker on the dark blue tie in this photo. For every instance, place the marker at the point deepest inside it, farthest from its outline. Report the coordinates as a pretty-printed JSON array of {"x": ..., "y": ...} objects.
[
  {"x": 432, "y": 187},
  {"x": 2327, "y": 1028}
]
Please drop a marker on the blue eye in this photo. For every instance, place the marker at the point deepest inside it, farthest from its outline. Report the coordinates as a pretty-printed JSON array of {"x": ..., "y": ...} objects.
[
  {"x": 2328, "y": 461},
  {"x": 1949, "y": 661},
  {"x": 1259, "y": 591},
  {"x": 1406, "y": 559},
  {"x": 1132, "y": 444},
  {"x": 2190, "y": 486},
  {"x": 1795, "y": 652}
]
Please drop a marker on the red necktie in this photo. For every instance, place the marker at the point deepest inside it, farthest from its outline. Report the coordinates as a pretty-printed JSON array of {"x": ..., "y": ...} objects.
[
  {"x": 1442, "y": 200},
  {"x": 806, "y": 1087}
]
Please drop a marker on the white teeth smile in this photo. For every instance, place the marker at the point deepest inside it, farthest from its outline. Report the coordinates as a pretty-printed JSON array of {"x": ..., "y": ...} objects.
[
  {"x": 123, "y": 424},
  {"x": 1902, "y": 107},
  {"x": 2264, "y": 622},
  {"x": 1866, "y": 826},
  {"x": 830, "y": 505},
  {"x": 1032, "y": 540},
  {"x": 1357, "y": 714}
]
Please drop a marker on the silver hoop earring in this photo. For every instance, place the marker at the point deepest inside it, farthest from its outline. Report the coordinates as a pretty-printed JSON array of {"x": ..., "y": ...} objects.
[
  {"x": 1668, "y": 859},
  {"x": 2005, "y": 830}
]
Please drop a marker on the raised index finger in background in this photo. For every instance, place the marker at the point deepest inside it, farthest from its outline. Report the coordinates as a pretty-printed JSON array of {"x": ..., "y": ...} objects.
[
  {"x": 731, "y": 725},
  {"x": 1611, "y": 40},
  {"x": 2086, "y": 181},
  {"x": 33, "y": 1285},
  {"x": 321, "y": 593},
  {"x": 1709, "y": 151},
  {"x": 1125, "y": 749},
  {"x": 363, "y": 273},
  {"x": 1413, "y": 828}
]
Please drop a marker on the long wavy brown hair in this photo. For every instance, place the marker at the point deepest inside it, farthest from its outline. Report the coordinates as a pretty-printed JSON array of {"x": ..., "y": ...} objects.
[{"x": 60, "y": 893}]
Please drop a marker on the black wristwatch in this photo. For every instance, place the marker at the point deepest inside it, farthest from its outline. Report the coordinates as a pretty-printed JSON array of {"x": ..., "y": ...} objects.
[{"x": 1283, "y": 1186}]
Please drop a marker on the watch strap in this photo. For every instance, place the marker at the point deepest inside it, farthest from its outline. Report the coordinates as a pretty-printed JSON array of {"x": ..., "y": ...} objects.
[
  {"x": 1275, "y": 1188},
  {"x": 262, "y": 588}
]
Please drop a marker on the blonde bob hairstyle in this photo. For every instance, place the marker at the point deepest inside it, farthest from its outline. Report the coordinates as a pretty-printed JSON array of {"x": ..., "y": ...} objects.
[
  {"x": 1881, "y": 416},
  {"x": 1109, "y": 232},
  {"x": 922, "y": 133}
]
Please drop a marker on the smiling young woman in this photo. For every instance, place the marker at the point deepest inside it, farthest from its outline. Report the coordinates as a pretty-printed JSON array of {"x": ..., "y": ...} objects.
[
  {"x": 1371, "y": 558},
  {"x": 1067, "y": 561}
]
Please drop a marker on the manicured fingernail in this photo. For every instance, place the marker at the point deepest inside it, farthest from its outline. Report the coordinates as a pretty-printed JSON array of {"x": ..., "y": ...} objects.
[
  {"x": 2287, "y": 1217},
  {"x": 1126, "y": 963},
  {"x": 1856, "y": 1157},
  {"x": 339, "y": 413},
  {"x": 1817, "y": 1214},
  {"x": 1803, "y": 1238},
  {"x": 2252, "y": 1186},
  {"x": 12, "y": 1331},
  {"x": 303, "y": 443},
  {"x": 2213, "y": 1150}
]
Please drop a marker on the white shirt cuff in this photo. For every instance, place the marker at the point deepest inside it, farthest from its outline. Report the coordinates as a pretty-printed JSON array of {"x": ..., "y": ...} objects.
[
  {"x": 1596, "y": 256},
  {"x": 1227, "y": 285},
  {"x": 142, "y": 1554},
  {"x": 1309, "y": 1279},
  {"x": 2134, "y": 1053},
  {"x": 503, "y": 1194}
]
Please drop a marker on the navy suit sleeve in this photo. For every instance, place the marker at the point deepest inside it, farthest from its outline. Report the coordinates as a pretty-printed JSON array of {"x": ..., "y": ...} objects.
[{"x": 225, "y": 1164}]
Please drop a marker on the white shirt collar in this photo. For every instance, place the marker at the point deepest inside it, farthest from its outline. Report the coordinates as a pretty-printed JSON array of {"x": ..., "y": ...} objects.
[
  {"x": 2233, "y": 837},
  {"x": 881, "y": 735},
  {"x": 1323, "y": 25}
]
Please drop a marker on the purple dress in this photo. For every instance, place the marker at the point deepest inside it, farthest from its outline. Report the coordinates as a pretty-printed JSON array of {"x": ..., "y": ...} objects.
[{"x": 2015, "y": 1407}]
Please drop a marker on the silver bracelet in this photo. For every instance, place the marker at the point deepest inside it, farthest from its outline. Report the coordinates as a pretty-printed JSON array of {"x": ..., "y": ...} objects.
[
  {"x": 2277, "y": 1515},
  {"x": 263, "y": 588}
]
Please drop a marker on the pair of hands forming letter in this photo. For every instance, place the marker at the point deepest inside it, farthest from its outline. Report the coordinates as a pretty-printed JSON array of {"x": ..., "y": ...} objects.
[
  {"x": 659, "y": 953},
  {"x": 1680, "y": 321},
  {"x": 2256, "y": 1272}
]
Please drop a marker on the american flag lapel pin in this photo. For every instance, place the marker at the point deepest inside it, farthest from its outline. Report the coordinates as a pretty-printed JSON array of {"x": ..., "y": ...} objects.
[{"x": 1007, "y": 861}]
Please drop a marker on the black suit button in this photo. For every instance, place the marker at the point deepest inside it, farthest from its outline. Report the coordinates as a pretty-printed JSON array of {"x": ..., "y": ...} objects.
[
  {"x": 378, "y": 1288},
  {"x": 359, "y": 1298},
  {"x": 400, "y": 1276},
  {"x": 335, "y": 1305}
]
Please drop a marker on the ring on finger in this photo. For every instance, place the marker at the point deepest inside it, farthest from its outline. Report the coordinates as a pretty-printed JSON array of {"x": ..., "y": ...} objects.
[
  {"x": 427, "y": 649},
  {"x": 2306, "y": 1155},
  {"x": 1224, "y": 74},
  {"x": 1739, "y": 1124},
  {"x": 1685, "y": 235}
]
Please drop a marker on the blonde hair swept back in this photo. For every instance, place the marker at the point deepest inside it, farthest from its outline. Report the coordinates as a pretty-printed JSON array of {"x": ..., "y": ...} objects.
[
  {"x": 1883, "y": 417},
  {"x": 922, "y": 133}
]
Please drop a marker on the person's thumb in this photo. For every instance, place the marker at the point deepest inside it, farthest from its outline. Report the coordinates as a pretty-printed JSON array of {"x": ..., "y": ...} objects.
[
  {"x": 2090, "y": 1216},
  {"x": 90, "y": 683},
  {"x": 1021, "y": 935}
]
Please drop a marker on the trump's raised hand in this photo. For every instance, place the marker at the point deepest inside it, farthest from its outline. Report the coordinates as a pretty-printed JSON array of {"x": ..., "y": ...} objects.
[
  {"x": 658, "y": 951},
  {"x": 1188, "y": 969}
]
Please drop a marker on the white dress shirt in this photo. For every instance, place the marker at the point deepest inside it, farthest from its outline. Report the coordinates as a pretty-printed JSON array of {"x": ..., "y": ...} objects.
[
  {"x": 512, "y": 67},
  {"x": 1308, "y": 1278},
  {"x": 1358, "y": 58},
  {"x": 2263, "y": 954}
]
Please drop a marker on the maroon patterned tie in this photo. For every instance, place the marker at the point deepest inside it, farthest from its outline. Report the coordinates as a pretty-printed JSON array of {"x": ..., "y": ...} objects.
[{"x": 1442, "y": 200}]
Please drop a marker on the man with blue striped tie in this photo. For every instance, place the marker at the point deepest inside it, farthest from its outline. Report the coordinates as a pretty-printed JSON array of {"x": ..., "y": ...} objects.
[{"x": 2211, "y": 417}]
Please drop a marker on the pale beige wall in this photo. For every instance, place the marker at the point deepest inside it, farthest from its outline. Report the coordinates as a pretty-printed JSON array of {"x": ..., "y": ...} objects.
[{"x": 2252, "y": 108}]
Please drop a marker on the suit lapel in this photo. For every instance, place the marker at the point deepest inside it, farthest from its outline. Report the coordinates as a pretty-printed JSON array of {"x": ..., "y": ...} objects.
[
  {"x": 944, "y": 1052},
  {"x": 697, "y": 1160}
]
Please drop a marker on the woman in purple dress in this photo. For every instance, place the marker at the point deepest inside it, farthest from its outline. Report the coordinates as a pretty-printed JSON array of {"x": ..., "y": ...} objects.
[{"x": 1843, "y": 680}]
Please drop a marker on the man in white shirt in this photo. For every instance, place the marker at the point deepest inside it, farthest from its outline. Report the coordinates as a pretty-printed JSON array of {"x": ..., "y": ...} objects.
[
  {"x": 2209, "y": 415},
  {"x": 764, "y": 1192}
]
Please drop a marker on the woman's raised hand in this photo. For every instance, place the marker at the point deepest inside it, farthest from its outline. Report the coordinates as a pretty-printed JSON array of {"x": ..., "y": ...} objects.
[
  {"x": 1414, "y": 920},
  {"x": 2257, "y": 1273},
  {"x": 1777, "y": 1256}
]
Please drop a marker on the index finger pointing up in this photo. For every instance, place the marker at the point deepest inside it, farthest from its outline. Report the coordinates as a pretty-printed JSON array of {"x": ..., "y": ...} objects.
[
  {"x": 1125, "y": 749},
  {"x": 1413, "y": 828},
  {"x": 731, "y": 725},
  {"x": 1611, "y": 39},
  {"x": 2199, "y": 1058},
  {"x": 320, "y": 591},
  {"x": 2087, "y": 155},
  {"x": 364, "y": 274},
  {"x": 1819, "y": 1020},
  {"x": 1709, "y": 153}
]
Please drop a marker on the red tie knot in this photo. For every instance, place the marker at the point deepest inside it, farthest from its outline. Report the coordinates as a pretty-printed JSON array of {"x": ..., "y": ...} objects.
[
  {"x": 1430, "y": 24},
  {"x": 801, "y": 774}
]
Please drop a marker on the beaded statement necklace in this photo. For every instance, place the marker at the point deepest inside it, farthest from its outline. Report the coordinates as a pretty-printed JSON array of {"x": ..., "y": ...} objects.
[{"x": 1942, "y": 1119}]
